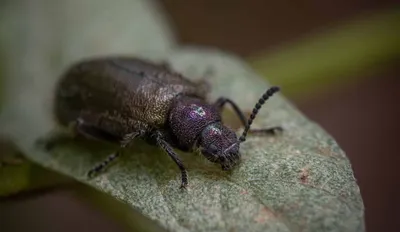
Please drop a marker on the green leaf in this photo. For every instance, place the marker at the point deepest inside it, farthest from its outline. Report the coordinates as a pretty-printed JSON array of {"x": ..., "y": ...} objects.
[
  {"x": 129, "y": 218},
  {"x": 300, "y": 180}
]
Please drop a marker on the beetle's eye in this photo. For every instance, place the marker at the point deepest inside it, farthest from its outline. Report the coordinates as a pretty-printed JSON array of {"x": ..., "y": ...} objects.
[{"x": 213, "y": 149}]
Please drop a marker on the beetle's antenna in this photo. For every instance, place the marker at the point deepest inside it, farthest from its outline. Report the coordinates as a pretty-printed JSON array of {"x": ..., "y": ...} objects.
[{"x": 271, "y": 91}]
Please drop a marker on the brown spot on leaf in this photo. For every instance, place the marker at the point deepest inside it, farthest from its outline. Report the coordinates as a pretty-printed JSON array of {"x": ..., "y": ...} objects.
[
  {"x": 264, "y": 215},
  {"x": 304, "y": 174},
  {"x": 244, "y": 192}
]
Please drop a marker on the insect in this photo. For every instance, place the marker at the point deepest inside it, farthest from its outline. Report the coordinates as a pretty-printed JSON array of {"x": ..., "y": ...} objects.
[{"x": 119, "y": 99}]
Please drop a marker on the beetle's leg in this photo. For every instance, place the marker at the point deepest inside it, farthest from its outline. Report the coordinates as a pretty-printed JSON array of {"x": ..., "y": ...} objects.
[
  {"x": 220, "y": 103},
  {"x": 167, "y": 148},
  {"x": 92, "y": 132},
  {"x": 126, "y": 140},
  {"x": 269, "y": 131},
  {"x": 48, "y": 142},
  {"x": 74, "y": 128},
  {"x": 164, "y": 64},
  {"x": 57, "y": 135}
]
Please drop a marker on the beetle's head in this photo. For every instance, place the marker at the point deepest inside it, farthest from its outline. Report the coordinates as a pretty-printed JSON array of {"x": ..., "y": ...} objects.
[{"x": 220, "y": 145}]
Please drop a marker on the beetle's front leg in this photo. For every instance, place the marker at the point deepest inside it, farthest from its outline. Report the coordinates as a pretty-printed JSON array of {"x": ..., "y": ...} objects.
[
  {"x": 167, "y": 148},
  {"x": 222, "y": 101}
]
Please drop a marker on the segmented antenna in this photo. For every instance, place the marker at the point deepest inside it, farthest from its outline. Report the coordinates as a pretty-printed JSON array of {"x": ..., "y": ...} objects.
[{"x": 271, "y": 91}]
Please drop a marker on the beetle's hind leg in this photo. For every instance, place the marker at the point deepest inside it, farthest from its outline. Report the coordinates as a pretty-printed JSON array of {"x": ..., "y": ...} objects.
[
  {"x": 80, "y": 127},
  {"x": 57, "y": 136},
  {"x": 72, "y": 131},
  {"x": 222, "y": 101},
  {"x": 126, "y": 140}
]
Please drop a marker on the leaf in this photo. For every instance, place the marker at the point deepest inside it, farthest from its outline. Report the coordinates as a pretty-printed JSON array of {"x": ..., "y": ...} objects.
[
  {"x": 298, "y": 181},
  {"x": 130, "y": 219}
]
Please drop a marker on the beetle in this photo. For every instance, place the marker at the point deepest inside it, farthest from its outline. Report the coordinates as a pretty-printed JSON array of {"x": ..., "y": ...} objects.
[{"x": 119, "y": 99}]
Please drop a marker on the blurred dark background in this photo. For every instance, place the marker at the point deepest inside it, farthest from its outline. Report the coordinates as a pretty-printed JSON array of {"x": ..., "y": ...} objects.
[{"x": 363, "y": 116}]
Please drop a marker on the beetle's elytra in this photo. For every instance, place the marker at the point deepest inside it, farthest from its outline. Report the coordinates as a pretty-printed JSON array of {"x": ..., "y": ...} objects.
[{"x": 119, "y": 99}]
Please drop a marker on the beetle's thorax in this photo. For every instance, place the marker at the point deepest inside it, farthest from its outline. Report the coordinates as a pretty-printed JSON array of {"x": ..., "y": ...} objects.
[{"x": 188, "y": 117}]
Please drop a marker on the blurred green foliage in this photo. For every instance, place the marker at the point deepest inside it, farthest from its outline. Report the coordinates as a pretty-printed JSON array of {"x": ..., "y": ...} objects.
[
  {"x": 335, "y": 56},
  {"x": 18, "y": 174}
]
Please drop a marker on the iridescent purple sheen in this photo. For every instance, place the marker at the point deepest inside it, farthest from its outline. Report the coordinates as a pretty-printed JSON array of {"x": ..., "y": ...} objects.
[
  {"x": 188, "y": 118},
  {"x": 197, "y": 112},
  {"x": 195, "y": 122}
]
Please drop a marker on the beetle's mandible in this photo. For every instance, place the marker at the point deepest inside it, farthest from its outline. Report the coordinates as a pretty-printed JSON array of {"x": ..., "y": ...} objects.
[{"x": 119, "y": 99}]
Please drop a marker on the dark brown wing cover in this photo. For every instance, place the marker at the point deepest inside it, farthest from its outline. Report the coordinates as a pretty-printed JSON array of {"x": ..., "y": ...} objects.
[{"x": 120, "y": 95}]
